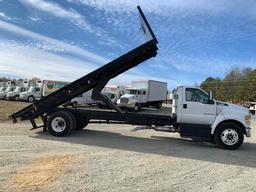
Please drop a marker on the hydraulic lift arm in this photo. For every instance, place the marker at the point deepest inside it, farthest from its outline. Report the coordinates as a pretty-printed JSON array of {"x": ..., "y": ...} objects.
[{"x": 95, "y": 80}]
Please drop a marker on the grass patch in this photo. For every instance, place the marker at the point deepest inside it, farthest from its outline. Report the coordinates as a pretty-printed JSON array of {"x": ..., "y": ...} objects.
[{"x": 9, "y": 107}]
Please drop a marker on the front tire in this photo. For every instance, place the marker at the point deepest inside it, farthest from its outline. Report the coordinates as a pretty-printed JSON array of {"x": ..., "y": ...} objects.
[
  {"x": 60, "y": 123},
  {"x": 74, "y": 104},
  {"x": 136, "y": 108},
  {"x": 159, "y": 105},
  {"x": 31, "y": 99},
  {"x": 17, "y": 98},
  {"x": 229, "y": 136}
]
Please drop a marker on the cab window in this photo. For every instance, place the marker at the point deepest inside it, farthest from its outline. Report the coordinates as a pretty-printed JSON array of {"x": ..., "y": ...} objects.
[{"x": 196, "y": 95}]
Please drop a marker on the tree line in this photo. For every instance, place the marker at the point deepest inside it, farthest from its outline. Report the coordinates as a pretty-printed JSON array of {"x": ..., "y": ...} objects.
[{"x": 238, "y": 85}]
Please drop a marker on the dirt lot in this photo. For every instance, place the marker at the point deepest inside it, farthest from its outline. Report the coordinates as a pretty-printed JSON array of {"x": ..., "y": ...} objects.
[{"x": 114, "y": 158}]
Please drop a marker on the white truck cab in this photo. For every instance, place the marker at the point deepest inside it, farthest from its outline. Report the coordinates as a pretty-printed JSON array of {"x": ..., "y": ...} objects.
[
  {"x": 31, "y": 94},
  {"x": 200, "y": 116},
  {"x": 15, "y": 94},
  {"x": 2, "y": 89},
  {"x": 3, "y": 94},
  {"x": 144, "y": 94}
]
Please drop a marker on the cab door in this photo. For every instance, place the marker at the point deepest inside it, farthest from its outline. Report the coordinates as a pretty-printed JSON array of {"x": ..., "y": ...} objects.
[
  {"x": 197, "y": 107},
  {"x": 37, "y": 93},
  {"x": 141, "y": 96}
]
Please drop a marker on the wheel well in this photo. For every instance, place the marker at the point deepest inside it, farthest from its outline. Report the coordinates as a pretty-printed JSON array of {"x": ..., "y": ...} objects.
[{"x": 233, "y": 121}]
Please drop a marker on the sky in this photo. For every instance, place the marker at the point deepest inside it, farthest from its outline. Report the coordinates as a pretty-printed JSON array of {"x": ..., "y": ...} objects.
[{"x": 66, "y": 39}]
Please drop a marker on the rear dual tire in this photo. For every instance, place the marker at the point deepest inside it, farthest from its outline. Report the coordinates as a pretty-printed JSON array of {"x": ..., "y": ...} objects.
[
  {"x": 62, "y": 123},
  {"x": 31, "y": 99}
]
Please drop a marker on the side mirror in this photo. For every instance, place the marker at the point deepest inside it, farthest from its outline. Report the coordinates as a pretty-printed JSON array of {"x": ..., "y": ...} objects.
[
  {"x": 210, "y": 96},
  {"x": 211, "y": 101}
]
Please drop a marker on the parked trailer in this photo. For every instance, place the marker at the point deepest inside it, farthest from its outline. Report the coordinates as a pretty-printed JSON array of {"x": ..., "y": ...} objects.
[{"x": 195, "y": 114}]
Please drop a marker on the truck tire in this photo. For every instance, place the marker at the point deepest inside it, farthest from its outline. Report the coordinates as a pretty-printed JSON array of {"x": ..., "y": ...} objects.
[
  {"x": 74, "y": 104},
  {"x": 82, "y": 122},
  {"x": 60, "y": 123},
  {"x": 159, "y": 105},
  {"x": 31, "y": 99},
  {"x": 17, "y": 98},
  {"x": 228, "y": 136},
  {"x": 75, "y": 122},
  {"x": 136, "y": 107}
]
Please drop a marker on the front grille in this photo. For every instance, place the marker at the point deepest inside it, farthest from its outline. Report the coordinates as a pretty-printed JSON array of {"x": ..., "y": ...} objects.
[{"x": 124, "y": 100}]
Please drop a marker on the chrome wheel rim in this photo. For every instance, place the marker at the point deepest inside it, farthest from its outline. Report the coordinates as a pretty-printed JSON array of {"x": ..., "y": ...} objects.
[
  {"x": 58, "y": 124},
  {"x": 229, "y": 137}
]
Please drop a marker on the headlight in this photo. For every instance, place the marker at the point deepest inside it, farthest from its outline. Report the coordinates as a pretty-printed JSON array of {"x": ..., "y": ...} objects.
[{"x": 248, "y": 119}]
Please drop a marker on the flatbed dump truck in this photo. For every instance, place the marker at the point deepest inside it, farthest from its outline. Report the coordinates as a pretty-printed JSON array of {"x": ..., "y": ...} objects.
[{"x": 195, "y": 114}]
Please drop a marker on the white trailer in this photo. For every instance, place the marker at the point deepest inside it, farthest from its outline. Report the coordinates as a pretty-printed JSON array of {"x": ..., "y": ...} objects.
[{"x": 144, "y": 94}]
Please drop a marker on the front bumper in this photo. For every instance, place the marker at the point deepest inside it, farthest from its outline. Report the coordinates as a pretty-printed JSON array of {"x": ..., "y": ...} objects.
[
  {"x": 248, "y": 132},
  {"x": 8, "y": 97},
  {"x": 2, "y": 96},
  {"x": 125, "y": 105},
  {"x": 23, "y": 97}
]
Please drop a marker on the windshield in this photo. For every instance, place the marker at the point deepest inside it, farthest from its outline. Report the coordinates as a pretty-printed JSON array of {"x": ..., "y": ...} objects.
[
  {"x": 132, "y": 91},
  {"x": 8, "y": 89},
  {"x": 24, "y": 89},
  {"x": 17, "y": 89},
  {"x": 31, "y": 89},
  {"x": 109, "y": 95},
  {"x": 2, "y": 89}
]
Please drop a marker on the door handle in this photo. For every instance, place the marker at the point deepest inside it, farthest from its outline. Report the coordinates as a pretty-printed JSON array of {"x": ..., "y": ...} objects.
[{"x": 185, "y": 106}]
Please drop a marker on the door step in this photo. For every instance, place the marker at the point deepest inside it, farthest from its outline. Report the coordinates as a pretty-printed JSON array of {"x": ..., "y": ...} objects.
[{"x": 166, "y": 129}]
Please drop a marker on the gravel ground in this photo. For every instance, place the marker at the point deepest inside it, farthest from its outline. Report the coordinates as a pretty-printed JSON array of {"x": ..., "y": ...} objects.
[{"x": 114, "y": 158}]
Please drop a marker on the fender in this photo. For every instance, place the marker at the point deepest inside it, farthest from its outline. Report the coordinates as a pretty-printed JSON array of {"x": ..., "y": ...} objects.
[{"x": 221, "y": 117}]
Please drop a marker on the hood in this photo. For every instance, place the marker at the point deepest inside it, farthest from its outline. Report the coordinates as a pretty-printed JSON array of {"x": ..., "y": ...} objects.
[
  {"x": 3, "y": 93},
  {"x": 230, "y": 108},
  {"x": 10, "y": 93},
  {"x": 127, "y": 96},
  {"x": 24, "y": 93}
]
